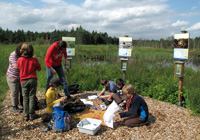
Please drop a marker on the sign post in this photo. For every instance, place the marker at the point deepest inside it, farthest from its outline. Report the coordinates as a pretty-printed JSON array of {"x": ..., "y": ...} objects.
[
  {"x": 70, "y": 53},
  {"x": 125, "y": 50},
  {"x": 181, "y": 49}
]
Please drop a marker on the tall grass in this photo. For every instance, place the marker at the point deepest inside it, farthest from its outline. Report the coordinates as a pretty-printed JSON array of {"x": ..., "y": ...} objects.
[{"x": 146, "y": 71}]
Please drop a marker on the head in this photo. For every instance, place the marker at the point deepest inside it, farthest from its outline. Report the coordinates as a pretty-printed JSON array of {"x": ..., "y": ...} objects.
[
  {"x": 119, "y": 83},
  {"x": 128, "y": 90},
  {"x": 55, "y": 82},
  {"x": 17, "y": 51},
  {"x": 26, "y": 50},
  {"x": 61, "y": 45},
  {"x": 104, "y": 82}
]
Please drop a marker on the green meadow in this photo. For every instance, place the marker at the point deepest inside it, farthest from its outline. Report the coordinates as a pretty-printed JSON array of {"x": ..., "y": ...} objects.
[{"x": 150, "y": 70}]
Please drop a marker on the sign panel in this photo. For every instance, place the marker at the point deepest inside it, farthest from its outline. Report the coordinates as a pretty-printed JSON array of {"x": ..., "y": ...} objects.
[
  {"x": 181, "y": 46},
  {"x": 125, "y": 46},
  {"x": 70, "y": 49}
]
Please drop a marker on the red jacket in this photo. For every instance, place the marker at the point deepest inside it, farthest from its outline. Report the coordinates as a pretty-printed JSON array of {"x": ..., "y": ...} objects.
[
  {"x": 54, "y": 56},
  {"x": 28, "y": 67}
]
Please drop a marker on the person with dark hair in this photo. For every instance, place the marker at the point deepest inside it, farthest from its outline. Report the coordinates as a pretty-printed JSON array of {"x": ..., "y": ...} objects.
[
  {"x": 117, "y": 95},
  {"x": 108, "y": 85},
  {"x": 136, "y": 108},
  {"x": 53, "y": 62},
  {"x": 13, "y": 80},
  {"x": 52, "y": 97},
  {"x": 28, "y": 65}
]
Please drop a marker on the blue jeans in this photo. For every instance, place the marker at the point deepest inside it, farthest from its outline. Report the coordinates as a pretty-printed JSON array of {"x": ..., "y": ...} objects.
[{"x": 61, "y": 75}]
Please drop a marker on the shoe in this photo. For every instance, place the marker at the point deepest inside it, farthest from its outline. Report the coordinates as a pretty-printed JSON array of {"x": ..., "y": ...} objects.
[
  {"x": 34, "y": 117},
  {"x": 25, "y": 118},
  {"x": 16, "y": 109},
  {"x": 107, "y": 102}
]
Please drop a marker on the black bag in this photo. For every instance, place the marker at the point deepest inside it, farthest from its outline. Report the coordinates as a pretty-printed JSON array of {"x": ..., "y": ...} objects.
[
  {"x": 74, "y": 104},
  {"x": 73, "y": 89}
]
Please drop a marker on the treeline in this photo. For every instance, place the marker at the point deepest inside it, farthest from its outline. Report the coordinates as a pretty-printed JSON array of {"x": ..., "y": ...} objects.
[{"x": 84, "y": 37}]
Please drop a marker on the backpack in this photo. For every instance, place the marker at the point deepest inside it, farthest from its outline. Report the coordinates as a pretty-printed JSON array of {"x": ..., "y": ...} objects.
[
  {"x": 61, "y": 119},
  {"x": 73, "y": 89}
]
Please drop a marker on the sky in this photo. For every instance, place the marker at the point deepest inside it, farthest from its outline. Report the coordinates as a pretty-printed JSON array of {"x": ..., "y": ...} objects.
[{"x": 139, "y": 19}]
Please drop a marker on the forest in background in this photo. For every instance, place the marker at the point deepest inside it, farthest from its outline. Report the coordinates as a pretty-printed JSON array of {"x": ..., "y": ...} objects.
[{"x": 84, "y": 37}]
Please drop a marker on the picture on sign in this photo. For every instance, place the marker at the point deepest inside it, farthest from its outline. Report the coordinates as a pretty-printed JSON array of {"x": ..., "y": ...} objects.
[
  {"x": 181, "y": 46},
  {"x": 178, "y": 69},
  {"x": 124, "y": 64},
  {"x": 125, "y": 46},
  {"x": 68, "y": 66},
  {"x": 70, "y": 49}
]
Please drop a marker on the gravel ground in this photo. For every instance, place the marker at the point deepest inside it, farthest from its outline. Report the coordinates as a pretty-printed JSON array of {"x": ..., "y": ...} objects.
[{"x": 166, "y": 121}]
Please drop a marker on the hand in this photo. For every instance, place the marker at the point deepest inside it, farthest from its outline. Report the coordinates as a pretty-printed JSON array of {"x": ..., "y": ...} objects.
[
  {"x": 62, "y": 99},
  {"x": 117, "y": 117},
  {"x": 53, "y": 70},
  {"x": 121, "y": 104}
]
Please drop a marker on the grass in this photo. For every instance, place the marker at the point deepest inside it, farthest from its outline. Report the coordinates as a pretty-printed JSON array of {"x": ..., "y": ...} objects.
[{"x": 146, "y": 71}]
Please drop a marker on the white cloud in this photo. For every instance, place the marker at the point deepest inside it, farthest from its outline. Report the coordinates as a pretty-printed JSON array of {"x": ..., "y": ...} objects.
[
  {"x": 52, "y": 1},
  {"x": 138, "y": 18},
  {"x": 179, "y": 23},
  {"x": 195, "y": 27}
]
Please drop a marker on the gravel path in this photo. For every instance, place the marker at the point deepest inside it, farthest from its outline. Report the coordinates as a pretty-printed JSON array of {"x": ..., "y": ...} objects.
[{"x": 167, "y": 121}]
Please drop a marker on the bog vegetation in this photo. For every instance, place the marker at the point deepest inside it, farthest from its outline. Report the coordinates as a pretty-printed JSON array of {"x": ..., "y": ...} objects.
[{"x": 150, "y": 70}]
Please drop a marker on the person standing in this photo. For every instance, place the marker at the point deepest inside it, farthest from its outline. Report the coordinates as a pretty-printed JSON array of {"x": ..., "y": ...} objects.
[
  {"x": 28, "y": 65},
  {"x": 13, "y": 80},
  {"x": 53, "y": 61}
]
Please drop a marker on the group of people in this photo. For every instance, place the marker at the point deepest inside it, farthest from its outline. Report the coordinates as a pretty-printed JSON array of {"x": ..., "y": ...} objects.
[
  {"x": 22, "y": 80},
  {"x": 125, "y": 96},
  {"x": 22, "y": 76}
]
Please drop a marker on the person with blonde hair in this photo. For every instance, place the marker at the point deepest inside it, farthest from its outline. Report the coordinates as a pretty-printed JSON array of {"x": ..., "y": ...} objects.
[
  {"x": 28, "y": 78},
  {"x": 136, "y": 108}
]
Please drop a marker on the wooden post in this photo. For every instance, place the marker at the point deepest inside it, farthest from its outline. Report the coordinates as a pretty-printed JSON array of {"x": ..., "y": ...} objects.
[
  {"x": 68, "y": 77},
  {"x": 180, "y": 90},
  {"x": 124, "y": 76},
  {"x": 179, "y": 69}
]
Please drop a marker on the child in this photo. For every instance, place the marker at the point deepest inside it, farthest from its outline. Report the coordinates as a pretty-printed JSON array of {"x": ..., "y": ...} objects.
[
  {"x": 137, "y": 109},
  {"x": 117, "y": 92},
  {"x": 28, "y": 65},
  {"x": 108, "y": 85},
  {"x": 13, "y": 80},
  {"x": 52, "y": 96}
]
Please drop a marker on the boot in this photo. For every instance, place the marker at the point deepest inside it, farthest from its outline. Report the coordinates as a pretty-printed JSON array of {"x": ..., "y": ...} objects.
[{"x": 16, "y": 109}]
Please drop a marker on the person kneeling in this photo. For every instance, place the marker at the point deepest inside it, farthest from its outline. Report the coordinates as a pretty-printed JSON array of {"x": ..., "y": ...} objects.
[
  {"x": 136, "y": 108},
  {"x": 52, "y": 97}
]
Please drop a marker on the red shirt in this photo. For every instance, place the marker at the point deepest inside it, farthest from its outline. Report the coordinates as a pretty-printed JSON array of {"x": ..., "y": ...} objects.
[
  {"x": 28, "y": 67},
  {"x": 54, "y": 56}
]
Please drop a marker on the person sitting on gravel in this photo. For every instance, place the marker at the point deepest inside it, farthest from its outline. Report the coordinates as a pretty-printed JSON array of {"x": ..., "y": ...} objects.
[
  {"x": 108, "y": 85},
  {"x": 52, "y": 97},
  {"x": 117, "y": 95},
  {"x": 136, "y": 108}
]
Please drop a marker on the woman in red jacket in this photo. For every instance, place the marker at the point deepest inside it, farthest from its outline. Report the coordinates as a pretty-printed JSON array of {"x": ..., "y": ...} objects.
[{"x": 53, "y": 62}]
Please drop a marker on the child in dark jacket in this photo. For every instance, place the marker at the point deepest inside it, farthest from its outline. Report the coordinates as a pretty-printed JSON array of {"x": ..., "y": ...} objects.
[{"x": 136, "y": 108}]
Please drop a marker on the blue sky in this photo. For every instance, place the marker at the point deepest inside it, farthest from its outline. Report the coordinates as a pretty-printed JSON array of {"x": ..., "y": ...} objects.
[{"x": 140, "y": 19}]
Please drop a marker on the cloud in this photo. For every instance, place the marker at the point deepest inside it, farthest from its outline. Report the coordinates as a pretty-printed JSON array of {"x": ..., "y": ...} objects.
[
  {"x": 195, "y": 27},
  {"x": 52, "y": 1},
  {"x": 179, "y": 23},
  {"x": 137, "y": 18}
]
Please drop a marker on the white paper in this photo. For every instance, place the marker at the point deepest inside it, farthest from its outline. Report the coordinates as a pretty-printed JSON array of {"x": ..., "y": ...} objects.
[
  {"x": 87, "y": 102},
  {"x": 109, "y": 114},
  {"x": 92, "y": 97}
]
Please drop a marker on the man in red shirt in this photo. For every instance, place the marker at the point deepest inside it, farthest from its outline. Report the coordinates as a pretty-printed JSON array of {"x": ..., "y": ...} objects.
[{"x": 53, "y": 62}]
